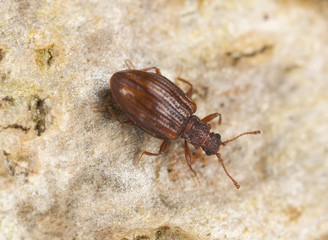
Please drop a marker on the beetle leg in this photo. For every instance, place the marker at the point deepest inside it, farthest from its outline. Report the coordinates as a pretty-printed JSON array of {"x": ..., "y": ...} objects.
[
  {"x": 112, "y": 113},
  {"x": 129, "y": 64},
  {"x": 122, "y": 122},
  {"x": 189, "y": 93},
  {"x": 211, "y": 117},
  {"x": 161, "y": 150},
  {"x": 151, "y": 68},
  {"x": 96, "y": 107},
  {"x": 188, "y": 160}
]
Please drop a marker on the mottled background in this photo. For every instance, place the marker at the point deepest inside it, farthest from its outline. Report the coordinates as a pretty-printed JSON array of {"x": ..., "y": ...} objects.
[{"x": 67, "y": 171}]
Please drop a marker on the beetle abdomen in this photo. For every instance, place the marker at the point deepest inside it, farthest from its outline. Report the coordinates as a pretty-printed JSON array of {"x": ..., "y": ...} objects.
[{"x": 152, "y": 102}]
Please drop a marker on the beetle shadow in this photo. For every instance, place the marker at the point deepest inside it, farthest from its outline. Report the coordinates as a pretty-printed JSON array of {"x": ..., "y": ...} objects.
[{"x": 105, "y": 99}]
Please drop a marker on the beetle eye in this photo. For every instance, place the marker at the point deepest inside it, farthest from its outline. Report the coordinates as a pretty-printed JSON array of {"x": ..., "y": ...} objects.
[
  {"x": 208, "y": 153},
  {"x": 218, "y": 136}
]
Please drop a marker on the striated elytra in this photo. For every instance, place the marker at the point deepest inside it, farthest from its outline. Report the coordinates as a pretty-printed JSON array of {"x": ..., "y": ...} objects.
[
  {"x": 152, "y": 102},
  {"x": 160, "y": 108}
]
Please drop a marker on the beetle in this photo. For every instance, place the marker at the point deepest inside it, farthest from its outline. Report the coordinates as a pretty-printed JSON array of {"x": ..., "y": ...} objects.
[{"x": 160, "y": 108}]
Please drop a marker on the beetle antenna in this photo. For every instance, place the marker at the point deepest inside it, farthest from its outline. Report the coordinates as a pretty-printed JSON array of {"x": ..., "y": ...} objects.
[
  {"x": 245, "y": 133},
  {"x": 233, "y": 180}
]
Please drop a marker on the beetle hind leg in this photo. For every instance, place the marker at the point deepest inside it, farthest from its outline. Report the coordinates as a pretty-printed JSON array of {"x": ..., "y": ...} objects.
[
  {"x": 129, "y": 64},
  {"x": 191, "y": 88},
  {"x": 120, "y": 121},
  {"x": 152, "y": 68},
  {"x": 161, "y": 150}
]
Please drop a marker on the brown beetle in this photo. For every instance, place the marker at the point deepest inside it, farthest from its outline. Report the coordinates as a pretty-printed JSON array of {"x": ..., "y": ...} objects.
[{"x": 163, "y": 110}]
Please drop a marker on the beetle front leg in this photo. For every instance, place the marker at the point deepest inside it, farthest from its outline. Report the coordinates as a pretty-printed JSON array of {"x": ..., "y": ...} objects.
[
  {"x": 188, "y": 160},
  {"x": 161, "y": 150}
]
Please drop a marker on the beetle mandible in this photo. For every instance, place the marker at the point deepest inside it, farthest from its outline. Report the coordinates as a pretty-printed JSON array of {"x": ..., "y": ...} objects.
[{"x": 163, "y": 110}]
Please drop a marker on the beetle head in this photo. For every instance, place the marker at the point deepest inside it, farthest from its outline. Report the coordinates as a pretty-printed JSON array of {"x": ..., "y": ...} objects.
[{"x": 213, "y": 144}]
